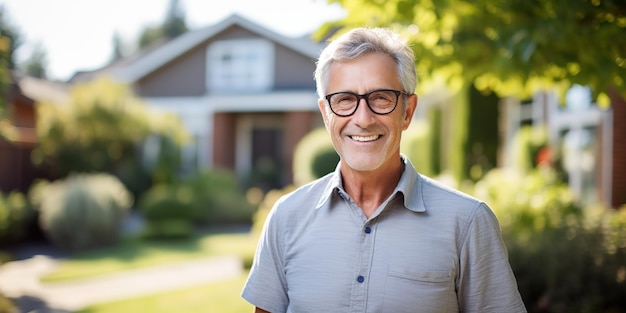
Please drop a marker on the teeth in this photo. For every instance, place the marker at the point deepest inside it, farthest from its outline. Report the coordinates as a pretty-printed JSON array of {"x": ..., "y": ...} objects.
[{"x": 365, "y": 138}]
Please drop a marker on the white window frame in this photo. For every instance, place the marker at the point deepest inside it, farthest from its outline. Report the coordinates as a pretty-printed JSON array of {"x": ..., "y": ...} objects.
[{"x": 250, "y": 69}]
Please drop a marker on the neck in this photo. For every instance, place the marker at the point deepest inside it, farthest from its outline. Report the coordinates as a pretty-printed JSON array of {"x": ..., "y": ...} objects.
[{"x": 370, "y": 189}]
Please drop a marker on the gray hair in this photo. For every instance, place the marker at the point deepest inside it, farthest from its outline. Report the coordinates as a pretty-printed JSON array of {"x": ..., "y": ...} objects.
[{"x": 361, "y": 41}]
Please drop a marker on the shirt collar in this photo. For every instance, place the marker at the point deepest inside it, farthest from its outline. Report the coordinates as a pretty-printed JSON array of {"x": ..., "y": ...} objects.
[
  {"x": 408, "y": 185},
  {"x": 333, "y": 184}
]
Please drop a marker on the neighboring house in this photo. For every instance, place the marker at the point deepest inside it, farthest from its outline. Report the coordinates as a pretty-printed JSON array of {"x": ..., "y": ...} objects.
[
  {"x": 20, "y": 137},
  {"x": 245, "y": 93},
  {"x": 588, "y": 139}
]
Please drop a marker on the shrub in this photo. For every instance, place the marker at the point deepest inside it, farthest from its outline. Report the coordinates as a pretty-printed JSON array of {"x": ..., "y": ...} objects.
[
  {"x": 218, "y": 199},
  {"x": 324, "y": 161},
  {"x": 416, "y": 145},
  {"x": 206, "y": 198},
  {"x": 313, "y": 149},
  {"x": 266, "y": 205},
  {"x": 15, "y": 215},
  {"x": 168, "y": 212},
  {"x": 84, "y": 210},
  {"x": 566, "y": 258}
]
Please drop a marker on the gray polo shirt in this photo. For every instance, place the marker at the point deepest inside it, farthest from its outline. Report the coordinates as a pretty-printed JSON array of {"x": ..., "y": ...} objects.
[{"x": 427, "y": 248}]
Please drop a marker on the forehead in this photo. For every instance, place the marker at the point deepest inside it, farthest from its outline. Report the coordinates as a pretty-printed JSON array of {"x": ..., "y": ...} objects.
[{"x": 367, "y": 72}]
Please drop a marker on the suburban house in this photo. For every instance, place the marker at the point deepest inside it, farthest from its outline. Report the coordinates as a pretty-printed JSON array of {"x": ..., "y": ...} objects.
[
  {"x": 590, "y": 139},
  {"x": 245, "y": 93},
  {"x": 19, "y": 136}
]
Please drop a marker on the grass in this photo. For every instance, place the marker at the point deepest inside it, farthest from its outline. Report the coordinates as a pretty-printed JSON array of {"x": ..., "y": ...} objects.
[
  {"x": 216, "y": 297},
  {"x": 133, "y": 253}
]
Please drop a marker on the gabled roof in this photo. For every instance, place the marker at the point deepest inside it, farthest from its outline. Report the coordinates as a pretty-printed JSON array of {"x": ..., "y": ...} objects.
[{"x": 183, "y": 43}]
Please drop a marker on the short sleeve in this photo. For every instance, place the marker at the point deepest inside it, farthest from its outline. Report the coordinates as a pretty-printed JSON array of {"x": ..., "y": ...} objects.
[
  {"x": 486, "y": 282},
  {"x": 266, "y": 286}
]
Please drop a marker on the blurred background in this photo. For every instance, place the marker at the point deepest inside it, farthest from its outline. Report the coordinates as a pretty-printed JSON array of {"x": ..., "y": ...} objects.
[{"x": 142, "y": 143}]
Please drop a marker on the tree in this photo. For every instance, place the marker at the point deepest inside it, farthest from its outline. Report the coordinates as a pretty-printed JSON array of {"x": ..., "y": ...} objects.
[
  {"x": 118, "y": 48},
  {"x": 9, "y": 41},
  {"x": 173, "y": 26},
  {"x": 512, "y": 47},
  {"x": 13, "y": 37},
  {"x": 104, "y": 128},
  {"x": 5, "y": 79},
  {"x": 36, "y": 64}
]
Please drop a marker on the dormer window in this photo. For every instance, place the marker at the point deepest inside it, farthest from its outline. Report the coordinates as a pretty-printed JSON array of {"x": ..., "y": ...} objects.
[{"x": 240, "y": 65}]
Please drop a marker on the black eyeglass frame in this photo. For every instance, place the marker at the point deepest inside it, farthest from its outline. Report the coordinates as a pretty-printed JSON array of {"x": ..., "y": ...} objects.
[{"x": 364, "y": 96}]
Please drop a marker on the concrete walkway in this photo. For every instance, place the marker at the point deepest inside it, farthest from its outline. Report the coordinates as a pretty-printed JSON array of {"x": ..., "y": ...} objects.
[{"x": 21, "y": 279}]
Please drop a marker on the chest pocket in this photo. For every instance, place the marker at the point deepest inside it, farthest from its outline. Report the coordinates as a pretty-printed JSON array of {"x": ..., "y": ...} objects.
[{"x": 412, "y": 290}]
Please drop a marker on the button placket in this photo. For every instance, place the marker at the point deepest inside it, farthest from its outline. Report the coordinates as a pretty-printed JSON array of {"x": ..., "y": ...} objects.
[{"x": 359, "y": 290}]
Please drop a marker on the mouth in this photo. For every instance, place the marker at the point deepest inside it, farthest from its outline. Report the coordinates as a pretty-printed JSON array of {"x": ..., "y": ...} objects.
[{"x": 365, "y": 138}]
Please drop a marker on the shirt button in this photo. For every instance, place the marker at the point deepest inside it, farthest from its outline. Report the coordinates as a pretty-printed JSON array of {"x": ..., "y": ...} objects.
[
  {"x": 360, "y": 279},
  {"x": 368, "y": 229}
]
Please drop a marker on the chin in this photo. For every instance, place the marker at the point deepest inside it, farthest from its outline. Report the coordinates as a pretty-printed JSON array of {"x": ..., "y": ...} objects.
[{"x": 363, "y": 164}]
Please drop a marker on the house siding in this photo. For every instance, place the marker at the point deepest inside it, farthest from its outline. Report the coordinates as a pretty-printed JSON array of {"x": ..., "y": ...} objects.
[
  {"x": 224, "y": 140},
  {"x": 183, "y": 77},
  {"x": 618, "y": 194},
  {"x": 293, "y": 71},
  {"x": 186, "y": 75}
]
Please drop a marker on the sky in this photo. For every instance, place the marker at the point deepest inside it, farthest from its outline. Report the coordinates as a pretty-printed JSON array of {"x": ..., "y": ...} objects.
[{"x": 78, "y": 34}]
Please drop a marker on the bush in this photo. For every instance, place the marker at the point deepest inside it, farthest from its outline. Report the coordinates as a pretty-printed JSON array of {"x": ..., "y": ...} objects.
[
  {"x": 311, "y": 157},
  {"x": 266, "y": 205},
  {"x": 84, "y": 210},
  {"x": 206, "y": 198},
  {"x": 566, "y": 258},
  {"x": 168, "y": 212},
  {"x": 324, "y": 162},
  {"x": 416, "y": 145},
  {"x": 15, "y": 215},
  {"x": 218, "y": 200}
]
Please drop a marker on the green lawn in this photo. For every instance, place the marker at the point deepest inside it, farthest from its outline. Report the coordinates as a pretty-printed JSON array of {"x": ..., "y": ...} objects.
[
  {"x": 216, "y": 297},
  {"x": 133, "y": 253}
]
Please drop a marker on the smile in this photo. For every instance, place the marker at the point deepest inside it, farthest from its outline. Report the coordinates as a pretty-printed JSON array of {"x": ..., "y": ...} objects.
[{"x": 365, "y": 138}]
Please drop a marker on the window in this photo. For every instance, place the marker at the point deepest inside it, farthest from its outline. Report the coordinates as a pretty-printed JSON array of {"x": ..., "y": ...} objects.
[{"x": 242, "y": 65}]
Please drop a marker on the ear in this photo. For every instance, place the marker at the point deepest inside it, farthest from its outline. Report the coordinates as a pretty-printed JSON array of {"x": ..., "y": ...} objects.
[
  {"x": 323, "y": 109},
  {"x": 411, "y": 105}
]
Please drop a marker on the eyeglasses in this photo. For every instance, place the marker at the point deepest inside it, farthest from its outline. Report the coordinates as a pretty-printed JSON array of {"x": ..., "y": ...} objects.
[{"x": 380, "y": 101}]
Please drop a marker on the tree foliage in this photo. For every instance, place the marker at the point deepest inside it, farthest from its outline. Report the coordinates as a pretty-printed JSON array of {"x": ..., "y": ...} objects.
[
  {"x": 10, "y": 38},
  {"x": 102, "y": 129},
  {"x": 36, "y": 64},
  {"x": 173, "y": 26},
  {"x": 512, "y": 47}
]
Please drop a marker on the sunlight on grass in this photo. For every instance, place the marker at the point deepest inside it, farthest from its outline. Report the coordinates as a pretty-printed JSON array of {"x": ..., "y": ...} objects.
[
  {"x": 134, "y": 254},
  {"x": 216, "y": 297}
]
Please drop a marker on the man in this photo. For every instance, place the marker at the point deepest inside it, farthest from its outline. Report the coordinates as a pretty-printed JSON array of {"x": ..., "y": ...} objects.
[{"x": 376, "y": 236}]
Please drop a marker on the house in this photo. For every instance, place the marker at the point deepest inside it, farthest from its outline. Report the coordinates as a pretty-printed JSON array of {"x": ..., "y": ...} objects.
[
  {"x": 589, "y": 138},
  {"x": 19, "y": 137},
  {"x": 245, "y": 93}
]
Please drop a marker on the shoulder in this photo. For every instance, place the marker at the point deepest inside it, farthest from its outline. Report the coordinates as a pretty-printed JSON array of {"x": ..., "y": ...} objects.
[
  {"x": 437, "y": 193},
  {"x": 440, "y": 199},
  {"x": 304, "y": 199}
]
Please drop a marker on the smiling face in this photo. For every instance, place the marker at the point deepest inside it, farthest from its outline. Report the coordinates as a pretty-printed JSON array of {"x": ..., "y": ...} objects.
[{"x": 366, "y": 141}]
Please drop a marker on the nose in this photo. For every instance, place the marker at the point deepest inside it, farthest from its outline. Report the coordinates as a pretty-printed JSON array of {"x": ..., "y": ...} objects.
[{"x": 363, "y": 117}]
